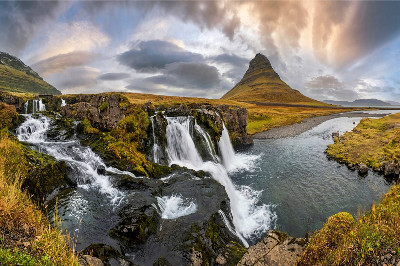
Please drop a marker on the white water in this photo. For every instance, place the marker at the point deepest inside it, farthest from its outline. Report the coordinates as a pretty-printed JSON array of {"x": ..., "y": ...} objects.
[
  {"x": 63, "y": 103},
  {"x": 156, "y": 148},
  {"x": 81, "y": 159},
  {"x": 207, "y": 140},
  {"x": 249, "y": 218},
  {"x": 26, "y": 104},
  {"x": 173, "y": 207}
]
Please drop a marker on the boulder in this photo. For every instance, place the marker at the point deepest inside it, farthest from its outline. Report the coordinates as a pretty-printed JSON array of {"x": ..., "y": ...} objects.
[
  {"x": 363, "y": 169},
  {"x": 275, "y": 249}
]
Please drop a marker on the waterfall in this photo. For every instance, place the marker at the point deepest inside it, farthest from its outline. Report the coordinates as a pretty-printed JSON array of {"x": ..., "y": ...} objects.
[
  {"x": 63, "y": 103},
  {"x": 156, "y": 147},
  {"x": 207, "y": 140},
  {"x": 84, "y": 162},
  {"x": 26, "y": 105},
  {"x": 249, "y": 217},
  {"x": 173, "y": 207}
]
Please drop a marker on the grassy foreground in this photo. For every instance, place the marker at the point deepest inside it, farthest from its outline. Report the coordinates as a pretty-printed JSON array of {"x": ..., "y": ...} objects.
[
  {"x": 26, "y": 237},
  {"x": 261, "y": 117},
  {"x": 342, "y": 240}
]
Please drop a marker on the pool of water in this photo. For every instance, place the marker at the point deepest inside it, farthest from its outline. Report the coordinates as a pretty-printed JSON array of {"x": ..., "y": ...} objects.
[{"x": 305, "y": 187}]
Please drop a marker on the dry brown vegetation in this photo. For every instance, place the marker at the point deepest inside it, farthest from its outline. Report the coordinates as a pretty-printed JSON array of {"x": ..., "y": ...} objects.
[{"x": 26, "y": 237}]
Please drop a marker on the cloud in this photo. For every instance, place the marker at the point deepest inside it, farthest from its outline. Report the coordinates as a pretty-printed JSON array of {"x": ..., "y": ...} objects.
[
  {"x": 329, "y": 87},
  {"x": 114, "y": 76},
  {"x": 231, "y": 59},
  {"x": 77, "y": 79},
  {"x": 65, "y": 38},
  {"x": 151, "y": 56},
  {"x": 62, "y": 62},
  {"x": 20, "y": 21},
  {"x": 195, "y": 77}
]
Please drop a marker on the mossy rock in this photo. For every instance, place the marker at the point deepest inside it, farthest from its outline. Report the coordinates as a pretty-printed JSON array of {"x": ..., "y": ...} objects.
[{"x": 44, "y": 175}]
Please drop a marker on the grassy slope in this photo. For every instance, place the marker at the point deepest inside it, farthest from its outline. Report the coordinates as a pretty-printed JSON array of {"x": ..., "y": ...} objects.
[
  {"x": 373, "y": 142},
  {"x": 265, "y": 88},
  {"x": 26, "y": 237},
  {"x": 261, "y": 118},
  {"x": 342, "y": 241},
  {"x": 13, "y": 80}
]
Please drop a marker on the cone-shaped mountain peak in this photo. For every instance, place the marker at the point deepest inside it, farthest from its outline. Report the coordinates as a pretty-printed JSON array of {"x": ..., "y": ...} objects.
[{"x": 261, "y": 83}]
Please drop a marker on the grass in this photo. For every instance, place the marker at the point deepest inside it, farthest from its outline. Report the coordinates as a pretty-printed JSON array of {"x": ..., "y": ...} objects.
[
  {"x": 373, "y": 142},
  {"x": 12, "y": 80},
  {"x": 342, "y": 241},
  {"x": 26, "y": 237}
]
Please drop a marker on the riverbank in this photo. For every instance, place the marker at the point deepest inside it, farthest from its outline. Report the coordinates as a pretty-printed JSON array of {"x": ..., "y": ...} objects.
[{"x": 305, "y": 125}]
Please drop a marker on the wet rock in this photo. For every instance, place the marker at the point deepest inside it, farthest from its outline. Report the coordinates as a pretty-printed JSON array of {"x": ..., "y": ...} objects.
[
  {"x": 335, "y": 134},
  {"x": 101, "y": 170},
  {"x": 363, "y": 169},
  {"x": 106, "y": 254},
  {"x": 390, "y": 169},
  {"x": 275, "y": 249}
]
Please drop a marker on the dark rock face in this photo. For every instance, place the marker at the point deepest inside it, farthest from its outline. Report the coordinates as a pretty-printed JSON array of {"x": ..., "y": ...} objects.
[
  {"x": 236, "y": 123},
  {"x": 212, "y": 117},
  {"x": 103, "y": 111},
  {"x": 200, "y": 236},
  {"x": 363, "y": 169},
  {"x": 18, "y": 102}
]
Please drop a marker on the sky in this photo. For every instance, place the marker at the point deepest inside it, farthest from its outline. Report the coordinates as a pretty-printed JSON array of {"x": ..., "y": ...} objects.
[{"x": 336, "y": 50}]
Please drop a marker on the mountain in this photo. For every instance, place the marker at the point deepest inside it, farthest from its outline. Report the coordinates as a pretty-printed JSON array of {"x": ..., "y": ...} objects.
[
  {"x": 360, "y": 102},
  {"x": 15, "y": 76},
  {"x": 261, "y": 83},
  {"x": 393, "y": 103}
]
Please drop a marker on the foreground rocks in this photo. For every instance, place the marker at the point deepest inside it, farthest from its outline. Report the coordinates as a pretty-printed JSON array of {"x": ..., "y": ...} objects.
[{"x": 275, "y": 249}]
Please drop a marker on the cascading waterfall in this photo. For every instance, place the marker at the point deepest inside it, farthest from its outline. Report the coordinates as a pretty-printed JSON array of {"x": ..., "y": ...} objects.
[
  {"x": 26, "y": 105},
  {"x": 63, "y": 103},
  {"x": 156, "y": 147},
  {"x": 249, "y": 218},
  {"x": 207, "y": 140},
  {"x": 82, "y": 160},
  {"x": 37, "y": 106}
]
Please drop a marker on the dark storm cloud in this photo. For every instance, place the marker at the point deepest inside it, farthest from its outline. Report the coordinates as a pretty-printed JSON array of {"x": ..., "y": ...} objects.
[
  {"x": 114, "y": 76},
  {"x": 62, "y": 62},
  {"x": 231, "y": 59},
  {"x": 329, "y": 87},
  {"x": 20, "y": 20},
  {"x": 151, "y": 56},
  {"x": 190, "y": 76}
]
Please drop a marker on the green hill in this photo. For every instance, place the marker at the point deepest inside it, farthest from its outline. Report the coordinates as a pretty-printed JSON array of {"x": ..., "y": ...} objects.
[
  {"x": 261, "y": 83},
  {"x": 15, "y": 76}
]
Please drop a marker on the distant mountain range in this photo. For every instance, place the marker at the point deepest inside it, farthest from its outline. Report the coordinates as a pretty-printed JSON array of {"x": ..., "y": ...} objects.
[
  {"x": 261, "y": 83},
  {"x": 363, "y": 103},
  {"x": 15, "y": 76}
]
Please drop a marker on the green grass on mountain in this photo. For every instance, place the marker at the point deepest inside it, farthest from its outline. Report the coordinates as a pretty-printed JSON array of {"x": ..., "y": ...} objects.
[
  {"x": 13, "y": 80},
  {"x": 268, "y": 89}
]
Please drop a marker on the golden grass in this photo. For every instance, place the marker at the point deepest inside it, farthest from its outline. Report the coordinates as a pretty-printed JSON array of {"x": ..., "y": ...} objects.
[
  {"x": 343, "y": 242},
  {"x": 373, "y": 142},
  {"x": 26, "y": 236}
]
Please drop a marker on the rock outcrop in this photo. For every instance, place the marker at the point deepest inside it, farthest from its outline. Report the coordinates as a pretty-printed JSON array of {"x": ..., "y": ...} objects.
[
  {"x": 275, "y": 249},
  {"x": 10, "y": 99},
  {"x": 103, "y": 111}
]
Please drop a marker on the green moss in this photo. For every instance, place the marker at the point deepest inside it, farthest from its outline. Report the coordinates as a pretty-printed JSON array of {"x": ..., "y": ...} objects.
[
  {"x": 87, "y": 127},
  {"x": 103, "y": 106},
  {"x": 17, "y": 257}
]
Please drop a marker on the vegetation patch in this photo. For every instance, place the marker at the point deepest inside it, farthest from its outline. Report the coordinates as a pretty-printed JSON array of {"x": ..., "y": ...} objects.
[
  {"x": 26, "y": 237},
  {"x": 374, "y": 142}
]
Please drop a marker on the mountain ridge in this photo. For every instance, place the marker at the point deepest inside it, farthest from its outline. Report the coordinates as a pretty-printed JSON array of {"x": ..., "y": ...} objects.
[
  {"x": 16, "y": 76},
  {"x": 360, "y": 102},
  {"x": 261, "y": 83}
]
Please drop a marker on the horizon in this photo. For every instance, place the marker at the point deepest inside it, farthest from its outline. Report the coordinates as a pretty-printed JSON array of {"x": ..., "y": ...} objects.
[{"x": 327, "y": 50}]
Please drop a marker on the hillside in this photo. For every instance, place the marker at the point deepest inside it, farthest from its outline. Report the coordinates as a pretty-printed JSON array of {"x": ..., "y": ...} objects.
[
  {"x": 261, "y": 83},
  {"x": 15, "y": 76}
]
